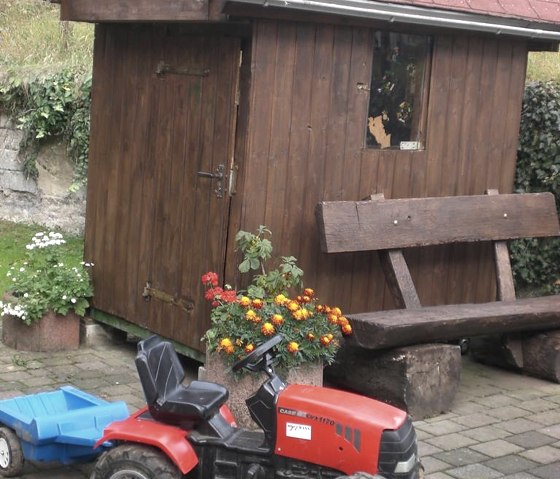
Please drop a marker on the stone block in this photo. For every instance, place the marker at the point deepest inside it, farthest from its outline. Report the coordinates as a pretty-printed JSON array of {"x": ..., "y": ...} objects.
[
  {"x": 16, "y": 181},
  {"x": 9, "y": 160},
  {"x": 422, "y": 379}
]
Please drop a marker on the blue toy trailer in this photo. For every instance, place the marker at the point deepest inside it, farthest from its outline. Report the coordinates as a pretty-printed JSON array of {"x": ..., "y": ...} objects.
[{"x": 61, "y": 425}]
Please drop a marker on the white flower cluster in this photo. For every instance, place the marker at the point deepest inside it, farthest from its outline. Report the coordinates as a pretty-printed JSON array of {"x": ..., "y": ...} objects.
[
  {"x": 8, "y": 309},
  {"x": 43, "y": 240}
]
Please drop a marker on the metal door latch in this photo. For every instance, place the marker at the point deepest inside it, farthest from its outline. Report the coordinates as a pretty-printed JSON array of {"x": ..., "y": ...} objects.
[
  {"x": 219, "y": 174},
  {"x": 149, "y": 292}
]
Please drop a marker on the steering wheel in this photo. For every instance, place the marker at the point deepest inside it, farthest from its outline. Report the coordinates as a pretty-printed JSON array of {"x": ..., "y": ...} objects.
[{"x": 252, "y": 360}]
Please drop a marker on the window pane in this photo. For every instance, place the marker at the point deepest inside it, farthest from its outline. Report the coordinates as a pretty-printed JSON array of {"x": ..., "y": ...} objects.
[{"x": 396, "y": 91}]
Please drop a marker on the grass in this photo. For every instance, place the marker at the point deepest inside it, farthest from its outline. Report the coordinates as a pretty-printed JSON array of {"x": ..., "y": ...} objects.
[
  {"x": 14, "y": 237},
  {"x": 34, "y": 41},
  {"x": 543, "y": 66}
]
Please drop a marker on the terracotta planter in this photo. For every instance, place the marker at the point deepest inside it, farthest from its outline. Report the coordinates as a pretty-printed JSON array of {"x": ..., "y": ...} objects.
[
  {"x": 52, "y": 332},
  {"x": 240, "y": 387}
]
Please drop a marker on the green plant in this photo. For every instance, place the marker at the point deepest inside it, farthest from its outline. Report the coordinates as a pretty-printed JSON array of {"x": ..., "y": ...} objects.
[
  {"x": 535, "y": 262},
  {"x": 40, "y": 281},
  {"x": 57, "y": 105},
  {"x": 243, "y": 321}
]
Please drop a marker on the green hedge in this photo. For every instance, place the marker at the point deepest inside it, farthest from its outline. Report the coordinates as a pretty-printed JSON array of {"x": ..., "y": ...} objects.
[{"x": 536, "y": 263}]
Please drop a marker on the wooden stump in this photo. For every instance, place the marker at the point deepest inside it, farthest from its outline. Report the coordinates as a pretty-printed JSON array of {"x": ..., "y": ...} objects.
[
  {"x": 422, "y": 379},
  {"x": 240, "y": 387},
  {"x": 541, "y": 355},
  {"x": 53, "y": 332}
]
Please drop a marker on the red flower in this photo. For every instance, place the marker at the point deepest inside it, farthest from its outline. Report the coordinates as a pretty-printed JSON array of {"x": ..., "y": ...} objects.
[
  {"x": 229, "y": 296},
  {"x": 210, "y": 278}
]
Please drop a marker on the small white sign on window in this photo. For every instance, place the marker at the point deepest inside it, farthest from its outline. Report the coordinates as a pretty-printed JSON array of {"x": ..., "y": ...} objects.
[{"x": 299, "y": 431}]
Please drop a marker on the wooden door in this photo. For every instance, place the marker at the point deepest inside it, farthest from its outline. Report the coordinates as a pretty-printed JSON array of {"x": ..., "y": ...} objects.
[{"x": 160, "y": 201}]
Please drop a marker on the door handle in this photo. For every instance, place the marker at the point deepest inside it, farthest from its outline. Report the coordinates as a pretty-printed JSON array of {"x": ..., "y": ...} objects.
[{"x": 219, "y": 174}]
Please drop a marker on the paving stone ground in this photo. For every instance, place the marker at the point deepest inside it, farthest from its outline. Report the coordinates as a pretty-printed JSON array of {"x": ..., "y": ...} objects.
[{"x": 502, "y": 424}]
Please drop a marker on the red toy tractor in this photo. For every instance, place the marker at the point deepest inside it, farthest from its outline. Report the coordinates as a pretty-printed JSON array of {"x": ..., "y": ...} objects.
[{"x": 306, "y": 432}]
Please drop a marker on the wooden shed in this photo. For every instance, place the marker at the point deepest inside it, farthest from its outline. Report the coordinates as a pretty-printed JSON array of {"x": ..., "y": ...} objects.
[{"x": 209, "y": 117}]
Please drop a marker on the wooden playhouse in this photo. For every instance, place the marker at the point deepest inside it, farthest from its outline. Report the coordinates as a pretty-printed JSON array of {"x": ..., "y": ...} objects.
[{"x": 209, "y": 117}]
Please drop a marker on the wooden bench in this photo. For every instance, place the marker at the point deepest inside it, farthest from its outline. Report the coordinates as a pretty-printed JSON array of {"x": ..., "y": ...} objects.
[{"x": 389, "y": 226}]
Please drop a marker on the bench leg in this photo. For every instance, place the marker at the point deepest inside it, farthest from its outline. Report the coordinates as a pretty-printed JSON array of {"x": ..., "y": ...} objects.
[{"x": 422, "y": 379}]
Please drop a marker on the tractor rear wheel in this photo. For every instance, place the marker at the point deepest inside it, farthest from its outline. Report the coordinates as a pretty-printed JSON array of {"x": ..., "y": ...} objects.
[
  {"x": 134, "y": 461},
  {"x": 11, "y": 455}
]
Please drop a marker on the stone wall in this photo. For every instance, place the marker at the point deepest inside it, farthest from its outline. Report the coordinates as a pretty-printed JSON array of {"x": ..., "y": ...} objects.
[{"x": 47, "y": 201}]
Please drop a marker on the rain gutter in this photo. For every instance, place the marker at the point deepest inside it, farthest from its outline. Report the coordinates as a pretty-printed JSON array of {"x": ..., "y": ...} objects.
[{"x": 393, "y": 13}]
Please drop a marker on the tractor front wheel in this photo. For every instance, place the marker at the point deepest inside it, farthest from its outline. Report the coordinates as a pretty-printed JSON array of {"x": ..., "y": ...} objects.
[
  {"x": 134, "y": 461},
  {"x": 11, "y": 456}
]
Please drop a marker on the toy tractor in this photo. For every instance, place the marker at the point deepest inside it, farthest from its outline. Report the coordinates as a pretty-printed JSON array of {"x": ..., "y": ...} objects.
[{"x": 306, "y": 431}]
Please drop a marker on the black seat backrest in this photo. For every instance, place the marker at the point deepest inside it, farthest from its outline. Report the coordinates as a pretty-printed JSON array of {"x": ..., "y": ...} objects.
[{"x": 159, "y": 369}]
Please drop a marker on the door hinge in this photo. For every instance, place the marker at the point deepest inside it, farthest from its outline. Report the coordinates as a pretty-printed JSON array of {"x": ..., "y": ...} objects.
[{"x": 149, "y": 293}]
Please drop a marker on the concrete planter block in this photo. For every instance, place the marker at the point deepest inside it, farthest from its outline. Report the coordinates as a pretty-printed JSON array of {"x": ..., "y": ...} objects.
[
  {"x": 241, "y": 387},
  {"x": 52, "y": 332}
]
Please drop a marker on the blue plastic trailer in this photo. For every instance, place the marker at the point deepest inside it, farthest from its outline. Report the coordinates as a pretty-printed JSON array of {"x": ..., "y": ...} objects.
[{"x": 61, "y": 426}]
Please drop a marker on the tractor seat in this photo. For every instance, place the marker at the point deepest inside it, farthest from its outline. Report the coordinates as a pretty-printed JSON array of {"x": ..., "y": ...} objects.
[{"x": 161, "y": 375}]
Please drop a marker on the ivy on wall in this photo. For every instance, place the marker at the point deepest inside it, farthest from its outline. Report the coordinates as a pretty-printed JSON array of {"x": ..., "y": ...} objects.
[
  {"x": 536, "y": 263},
  {"x": 51, "y": 106}
]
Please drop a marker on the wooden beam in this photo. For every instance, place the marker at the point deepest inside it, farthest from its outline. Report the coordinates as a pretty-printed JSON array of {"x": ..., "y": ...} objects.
[
  {"x": 399, "y": 279},
  {"x": 135, "y": 10},
  {"x": 402, "y": 327},
  {"x": 402, "y": 223}
]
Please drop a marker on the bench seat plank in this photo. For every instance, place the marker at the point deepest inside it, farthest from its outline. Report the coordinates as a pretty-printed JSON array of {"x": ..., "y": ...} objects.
[{"x": 401, "y": 327}]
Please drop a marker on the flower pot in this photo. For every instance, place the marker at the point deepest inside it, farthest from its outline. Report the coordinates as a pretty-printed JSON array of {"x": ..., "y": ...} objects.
[
  {"x": 242, "y": 386},
  {"x": 53, "y": 332}
]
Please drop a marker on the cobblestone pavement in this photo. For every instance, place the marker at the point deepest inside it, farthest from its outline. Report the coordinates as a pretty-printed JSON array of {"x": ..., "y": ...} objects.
[{"x": 502, "y": 425}]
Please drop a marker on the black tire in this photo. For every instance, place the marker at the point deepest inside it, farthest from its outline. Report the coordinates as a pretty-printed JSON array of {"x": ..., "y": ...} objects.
[
  {"x": 11, "y": 455},
  {"x": 135, "y": 461}
]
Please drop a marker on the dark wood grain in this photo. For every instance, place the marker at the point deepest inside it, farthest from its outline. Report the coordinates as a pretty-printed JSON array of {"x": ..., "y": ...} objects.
[
  {"x": 400, "y": 327},
  {"x": 401, "y": 223},
  {"x": 398, "y": 279}
]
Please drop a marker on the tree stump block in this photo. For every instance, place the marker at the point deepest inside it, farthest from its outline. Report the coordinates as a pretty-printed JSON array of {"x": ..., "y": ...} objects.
[
  {"x": 541, "y": 355},
  {"x": 421, "y": 379}
]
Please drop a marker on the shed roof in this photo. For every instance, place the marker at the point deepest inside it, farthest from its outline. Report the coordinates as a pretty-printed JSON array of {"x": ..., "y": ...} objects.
[{"x": 545, "y": 11}]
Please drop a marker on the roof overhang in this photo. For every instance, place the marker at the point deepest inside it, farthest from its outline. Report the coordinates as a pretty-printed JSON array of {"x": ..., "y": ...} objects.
[{"x": 408, "y": 14}]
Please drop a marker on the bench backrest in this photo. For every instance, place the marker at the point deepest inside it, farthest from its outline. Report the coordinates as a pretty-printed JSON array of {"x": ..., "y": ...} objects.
[{"x": 383, "y": 224}]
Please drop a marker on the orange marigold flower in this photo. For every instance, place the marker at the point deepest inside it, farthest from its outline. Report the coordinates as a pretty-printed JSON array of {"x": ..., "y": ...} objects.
[
  {"x": 293, "y": 306},
  {"x": 299, "y": 315},
  {"x": 319, "y": 308},
  {"x": 337, "y": 311},
  {"x": 330, "y": 336},
  {"x": 227, "y": 346},
  {"x": 267, "y": 329},
  {"x": 245, "y": 301},
  {"x": 277, "y": 319},
  {"x": 299, "y": 299},
  {"x": 257, "y": 303},
  {"x": 250, "y": 315},
  {"x": 306, "y": 299},
  {"x": 325, "y": 340},
  {"x": 346, "y": 329},
  {"x": 310, "y": 336},
  {"x": 308, "y": 292},
  {"x": 333, "y": 318},
  {"x": 249, "y": 348},
  {"x": 293, "y": 347},
  {"x": 343, "y": 321},
  {"x": 280, "y": 300}
]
